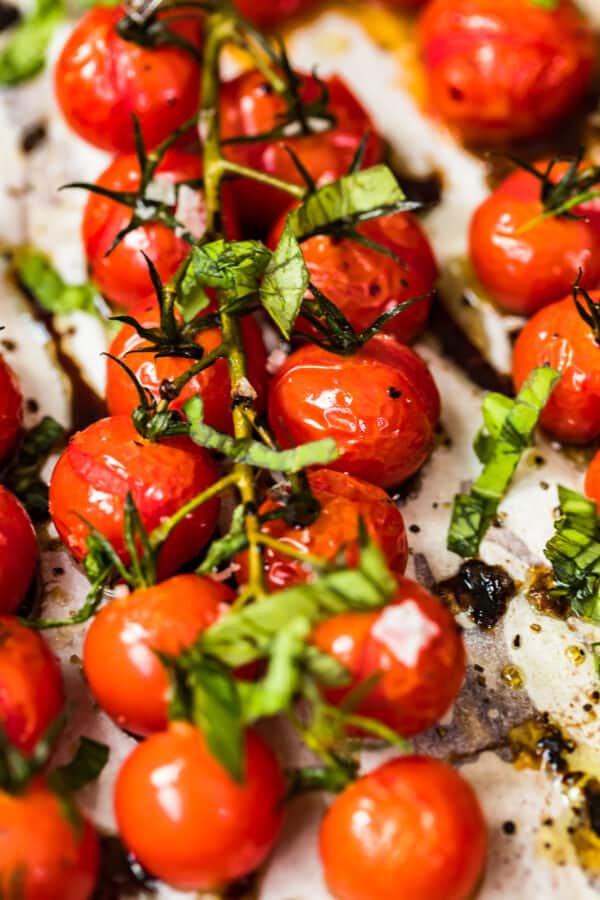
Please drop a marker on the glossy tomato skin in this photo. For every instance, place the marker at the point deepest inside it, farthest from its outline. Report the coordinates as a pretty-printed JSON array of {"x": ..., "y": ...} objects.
[
  {"x": 167, "y": 617},
  {"x": 102, "y": 80},
  {"x": 411, "y": 828},
  {"x": 58, "y": 857},
  {"x": 525, "y": 270},
  {"x": 11, "y": 410},
  {"x": 500, "y": 70},
  {"x": 592, "y": 479},
  {"x": 270, "y": 13},
  {"x": 343, "y": 500},
  {"x": 417, "y": 646},
  {"x": 213, "y": 384},
  {"x": 559, "y": 337},
  {"x": 18, "y": 552},
  {"x": 107, "y": 460},
  {"x": 199, "y": 829},
  {"x": 380, "y": 405}
]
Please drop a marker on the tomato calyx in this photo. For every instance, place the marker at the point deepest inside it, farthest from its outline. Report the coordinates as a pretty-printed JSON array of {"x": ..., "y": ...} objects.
[
  {"x": 560, "y": 197},
  {"x": 147, "y": 30},
  {"x": 589, "y": 309}
]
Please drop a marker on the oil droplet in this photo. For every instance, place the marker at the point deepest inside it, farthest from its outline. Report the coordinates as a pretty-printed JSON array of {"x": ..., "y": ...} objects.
[
  {"x": 512, "y": 677},
  {"x": 575, "y": 654}
]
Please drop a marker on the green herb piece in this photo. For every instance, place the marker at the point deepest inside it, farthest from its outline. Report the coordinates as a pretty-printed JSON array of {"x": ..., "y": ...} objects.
[
  {"x": 216, "y": 710},
  {"x": 85, "y": 767},
  {"x": 25, "y": 53},
  {"x": 285, "y": 282},
  {"x": 595, "y": 648},
  {"x": 37, "y": 274},
  {"x": 23, "y": 476},
  {"x": 550, "y": 5},
  {"x": 509, "y": 427},
  {"x": 233, "y": 267},
  {"x": 223, "y": 548}
]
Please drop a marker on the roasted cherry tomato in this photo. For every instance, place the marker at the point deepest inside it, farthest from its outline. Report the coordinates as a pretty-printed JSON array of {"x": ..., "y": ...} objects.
[
  {"x": 504, "y": 69},
  {"x": 48, "y": 849},
  {"x": 412, "y": 828},
  {"x": 526, "y": 269},
  {"x": 11, "y": 410},
  {"x": 109, "y": 459},
  {"x": 268, "y": 13},
  {"x": 592, "y": 479},
  {"x": 184, "y": 817},
  {"x": 249, "y": 106},
  {"x": 558, "y": 336},
  {"x": 31, "y": 687},
  {"x": 212, "y": 384},
  {"x": 18, "y": 552},
  {"x": 167, "y": 617},
  {"x": 381, "y": 405},
  {"x": 363, "y": 282},
  {"x": 343, "y": 500},
  {"x": 101, "y": 80},
  {"x": 417, "y": 647}
]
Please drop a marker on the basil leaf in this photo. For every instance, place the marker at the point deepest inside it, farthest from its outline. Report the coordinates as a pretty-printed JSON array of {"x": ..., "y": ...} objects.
[
  {"x": 85, "y": 767},
  {"x": 217, "y": 711},
  {"x": 25, "y": 53},
  {"x": 36, "y": 272},
  {"x": 275, "y": 692},
  {"x": 285, "y": 282},
  {"x": 23, "y": 476},
  {"x": 233, "y": 267}
]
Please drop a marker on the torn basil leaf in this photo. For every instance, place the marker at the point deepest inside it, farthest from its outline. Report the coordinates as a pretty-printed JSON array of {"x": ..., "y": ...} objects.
[
  {"x": 37, "y": 274},
  {"x": 233, "y": 267},
  {"x": 285, "y": 282},
  {"x": 217, "y": 712},
  {"x": 85, "y": 767},
  {"x": 23, "y": 476}
]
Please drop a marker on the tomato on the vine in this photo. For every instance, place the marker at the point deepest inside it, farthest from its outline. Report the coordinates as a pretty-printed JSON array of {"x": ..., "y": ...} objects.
[
  {"x": 11, "y": 410},
  {"x": 186, "y": 820},
  {"x": 381, "y": 405},
  {"x": 270, "y": 13},
  {"x": 499, "y": 70},
  {"x": 411, "y": 828},
  {"x": 109, "y": 459},
  {"x": 18, "y": 552},
  {"x": 102, "y": 80}
]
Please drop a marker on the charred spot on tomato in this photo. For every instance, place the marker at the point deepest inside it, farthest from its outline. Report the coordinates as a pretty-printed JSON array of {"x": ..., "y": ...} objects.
[
  {"x": 482, "y": 590},
  {"x": 394, "y": 393},
  {"x": 541, "y": 594},
  {"x": 539, "y": 742}
]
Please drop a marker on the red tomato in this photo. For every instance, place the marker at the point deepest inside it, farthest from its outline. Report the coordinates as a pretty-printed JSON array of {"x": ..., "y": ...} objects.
[
  {"x": 417, "y": 647},
  {"x": 592, "y": 479},
  {"x": 101, "y": 80},
  {"x": 525, "y": 271},
  {"x": 18, "y": 552},
  {"x": 46, "y": 848},
  {"x": 167, "y": 617},
  {"x": 213, "y": 384},
  {"x": 107, "y": 460},
  {"x": 268, "y": 13},
  {"x": 185, "y": 819},
  {"x": 505, "y": 69},
  {"x": 249, "y": 106},
  {"x": 31, "y": 687},
  {"x": 11, "y": 410},
  {"x": 343, "y": 499},
  {"x": 412, "y": 828},
  {"x": 364, "y": 283},
  {"x": 381, "y": 406},
  {"x": 559, "y": 337}
]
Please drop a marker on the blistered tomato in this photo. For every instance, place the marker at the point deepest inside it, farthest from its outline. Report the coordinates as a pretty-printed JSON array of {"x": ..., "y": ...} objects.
[{"x": 18, "y": 552}]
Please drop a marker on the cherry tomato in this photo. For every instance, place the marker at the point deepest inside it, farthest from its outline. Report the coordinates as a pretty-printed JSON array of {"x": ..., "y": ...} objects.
[
  {"x": 186, "y": 820},
  {"x": 18, "y": 552},
  {"x": 343, "y": 500},
  {"x": 102, "y": 80},
  {"x": 11, "y": 410},
  {"x": 31, "y": 687},
  {"x": 558, "y": 336},
  {"x": 526, "y": 269},
  {"x": 499, "y": 70},
  {"x": 213, "y": 384},
  {"x": 47, "y": 848},
  {"x": 249, "y": 106},
  {"x": 381, "y": 406},
  {"x": 412, "y": 828},
  {"x": 417, "y": 647},
  {"x": 592, "y": 479},
  {"x": 107, "y": 460},
  {"x": 268, "y": 13},
  {"x": 365, "y": 283}
]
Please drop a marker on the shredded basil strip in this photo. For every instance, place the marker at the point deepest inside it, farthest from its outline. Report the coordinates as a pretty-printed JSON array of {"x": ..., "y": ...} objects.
[{"x": 234, "y": 267}]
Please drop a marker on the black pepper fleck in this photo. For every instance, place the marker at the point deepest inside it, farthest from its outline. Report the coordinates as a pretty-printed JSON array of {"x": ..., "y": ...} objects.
[{"x": 509, "y": 827}]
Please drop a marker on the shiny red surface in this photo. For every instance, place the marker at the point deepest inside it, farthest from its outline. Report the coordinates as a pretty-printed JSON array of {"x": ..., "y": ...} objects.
[
  {"x": 269, "y": 13},
  {"x": 18, "y": 552},
  {"x": 592, "y": 480},
  {"x": 11, "y": 410}
]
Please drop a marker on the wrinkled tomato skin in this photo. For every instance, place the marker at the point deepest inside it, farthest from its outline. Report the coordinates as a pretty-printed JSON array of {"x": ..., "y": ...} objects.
[
  {"x": 107, "y": 460},
  {"x": 269, "y": 13},
  {"x": 559, "y": 337},
  {"x": 102, "y": 80},
  {"x": 501, "y": 70},
  {"x": 364, "y": 283},
  {"x": 11, "y": 411},
  {"x": 213, "y": 384},
  {"x": 343, "y": 500},
  {"x": 381, "y": 405},
  {"x": 525, "y": 270},
  {"x": 58, "y": 858},
  {"x": 417, "y": 646},
  {"x": 167, "y": 617},
  {"x": 18, "y": 552},
  {"x": 199, "y": 830},
  {"x": 411, "y": 828}
]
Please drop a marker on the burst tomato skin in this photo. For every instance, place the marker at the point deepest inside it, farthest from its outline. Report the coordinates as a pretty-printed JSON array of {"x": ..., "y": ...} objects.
[
  {"x": 559, "y": 337},
  {"x": 11, "y": 410},
  {"x": 411, "y": 828},
  {"x": 499, "y": 70},
  {"x": 101, "y": 80},
  {"x": 18, "y": 552},
  {"x": 343, "y": 500},
  {"x": 107, "y": 460},
  {"x": 167, "y": 617},
  {"x": 525, "y": 271},
  {"x": 417, "y": 646},
  {"x": 269, "y": 13},
  {"x": 213, "y": 384},
  {"x": 380, "y": 405},
  {"x": 198, "y": 829}
]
